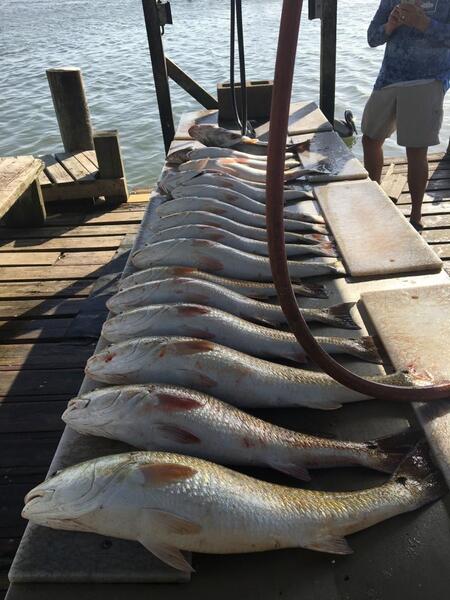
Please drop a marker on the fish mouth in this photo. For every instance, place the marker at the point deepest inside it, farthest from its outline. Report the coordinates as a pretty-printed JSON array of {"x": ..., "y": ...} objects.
[
  {"x": 35, "y": 498},
  {"x": 74, "y": 405}
]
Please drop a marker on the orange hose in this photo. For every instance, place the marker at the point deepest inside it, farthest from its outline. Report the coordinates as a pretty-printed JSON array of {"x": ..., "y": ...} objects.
[{"x": 281, "y": 97}]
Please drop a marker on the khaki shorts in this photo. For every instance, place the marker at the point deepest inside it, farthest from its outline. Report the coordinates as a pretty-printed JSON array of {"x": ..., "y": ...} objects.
[{"x": 416, "y": 111}]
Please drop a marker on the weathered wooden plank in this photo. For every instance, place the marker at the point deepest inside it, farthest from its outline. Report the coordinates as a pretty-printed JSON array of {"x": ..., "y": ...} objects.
[
  {"x": 33, "y": 329},
  {"x": 436, "y": 221},
  {"x": 54, "y": 272},
  {"x": 90, "y": 155},
  {"x": 55, "y": 171},
  {"x": 442, "y": 250},
  {"x": 435, "y": 184},
  {"x": 76, "y": 170},
  {"x": 430, "y": 196},
  {"x": 9, "y": 259},
  {"x": 43, "y": 179},
  {"x": 47, "y": 289},
  {"x": 110, "y": 164},
  {"x": 393, "y": 185},
  {"x": 40, "y": 382},
  {"x": 61, "y": 355},
  {"x": 89, "y": 219},
  {"x": 37, "y": 308},
  {"x": 84, "y": 258},
  {"x": 51, "y": 398},
  {"x": 87, "y": 163},
  {"x": 428, "y": 208},
  {"x": 17, "y": 174},
  {"x": 53, "y": 232},
  {"x": 28, "y": 210},
  {"x": 432, "y": 157},
  {"x": 31, "y": 416},
  {"x": 436, "y": 236},
  {"x": 84, "y": 189},
  {"x": 62, "y": 244},
  {"x": 34, "y": 449}
]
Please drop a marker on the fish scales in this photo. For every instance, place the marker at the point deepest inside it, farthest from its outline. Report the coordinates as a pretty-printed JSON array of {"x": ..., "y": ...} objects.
[
  {"x": 216, "y": 234},
  {"x": 213, "y": 324},
  {"x": 235, "y": 213},
  {"x": 211, "y": 218},
  {"x": 183, "y": 289},
  {"x": 214, "y": 369},
  {"x": 174, "y": 419},
  {"x": 214, "y": 257},
  {"x": 252, "y": 289},
  {"x": 170, "y": 502}
]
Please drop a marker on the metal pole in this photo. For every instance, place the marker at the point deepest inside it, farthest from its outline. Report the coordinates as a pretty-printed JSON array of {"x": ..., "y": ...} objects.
[
  {"x": 159, "y": 67},
  {"x": 71, "y": 108},
  {"x": 328, "y": 40}
]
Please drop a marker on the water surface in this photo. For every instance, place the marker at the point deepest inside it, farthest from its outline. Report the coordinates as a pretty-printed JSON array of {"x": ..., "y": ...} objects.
[{"x": 107, "y": 40}]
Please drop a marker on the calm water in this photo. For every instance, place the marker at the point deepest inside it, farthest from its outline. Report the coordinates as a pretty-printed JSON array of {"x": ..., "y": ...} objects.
[{"x": 107, "y": 40}]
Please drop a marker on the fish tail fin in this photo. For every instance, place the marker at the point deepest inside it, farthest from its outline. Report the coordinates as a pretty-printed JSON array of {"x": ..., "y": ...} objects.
[
  {"x": 339, "y": 316},
  {"x": 417, "y": 474},
  {"x": 386, "y": 453},
  {"x": 363, "y": 348},
  {"x": 324, "y": 249},
  {"x": 310, "y": 290}
]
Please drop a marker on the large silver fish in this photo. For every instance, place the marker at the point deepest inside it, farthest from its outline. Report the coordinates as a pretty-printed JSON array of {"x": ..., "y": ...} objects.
[
  {"x": 253, "y": 190},
  {"x": 241, "y": 215},
  {"x": 174, "y": 419},
  {"x": 190, "y": 153},
  {"x": 216, "y": 234},
  {"x": 201, "y": 217},
  {"x": 205, "y": 322},
  {"x": 183, "y": 289},
  {"x": 214, "y": 257},
  {"x": 307, "y": 210},
  {"x": 227, "y": 374},
  {"x": 252, "y": 289},
  {"x": 240, "y": 168},
  {"x": 169, "y": 502}
]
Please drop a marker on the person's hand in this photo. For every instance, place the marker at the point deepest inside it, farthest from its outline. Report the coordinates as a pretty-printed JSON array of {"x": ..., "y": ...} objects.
[
  {"x": 413, "y": 16},
  {"x": 394, "y": 21}
]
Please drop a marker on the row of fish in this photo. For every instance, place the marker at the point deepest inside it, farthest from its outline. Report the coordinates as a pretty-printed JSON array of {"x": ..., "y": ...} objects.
[{"x": 194, "y": 333}]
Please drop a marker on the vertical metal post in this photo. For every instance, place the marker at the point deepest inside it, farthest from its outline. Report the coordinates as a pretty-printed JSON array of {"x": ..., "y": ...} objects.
[
  {"x": 159, "y": 67},
  {"x": 328, "y": 39}
]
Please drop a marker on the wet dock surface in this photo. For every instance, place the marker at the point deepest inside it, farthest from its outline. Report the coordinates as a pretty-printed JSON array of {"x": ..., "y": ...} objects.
[{"x": 53, "y": 284}]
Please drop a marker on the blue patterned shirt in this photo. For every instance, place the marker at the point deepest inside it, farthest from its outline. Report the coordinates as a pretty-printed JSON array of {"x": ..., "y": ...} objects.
[{"x": 411, "y": 54}]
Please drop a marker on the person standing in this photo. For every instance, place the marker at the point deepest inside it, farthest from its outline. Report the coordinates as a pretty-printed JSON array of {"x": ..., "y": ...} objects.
[{"x": 409, "y": 92}]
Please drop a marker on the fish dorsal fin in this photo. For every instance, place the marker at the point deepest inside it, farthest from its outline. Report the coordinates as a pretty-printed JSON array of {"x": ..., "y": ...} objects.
[
  {"x": 333, "y": 545},
  {"x": 169, "y": 555},
  {"x": 173, "y": 433},
  {"x": 160, "y": 474}
]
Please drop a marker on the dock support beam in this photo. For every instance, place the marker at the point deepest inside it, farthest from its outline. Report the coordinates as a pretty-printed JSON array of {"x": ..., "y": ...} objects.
[
  {"x": 328, "y": 38},
  {"x": 190, "y": 86},
  {"x": 71, "y": 107},
  {"x": 160, "y": 77}
]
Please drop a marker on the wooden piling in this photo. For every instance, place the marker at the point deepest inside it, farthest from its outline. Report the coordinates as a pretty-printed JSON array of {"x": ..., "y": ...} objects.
[
  {"x": 71, "y": 107},
  {"x": 328, "y": 39},
  {"x": 110, "y": 164}
]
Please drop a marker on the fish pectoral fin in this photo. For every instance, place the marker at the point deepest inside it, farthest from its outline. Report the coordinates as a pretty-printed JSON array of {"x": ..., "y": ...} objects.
[
  {"x": 173, "y": 433},
  {"x": 330, "y": 544},
  {"x": 169, "y": 555},
  {"x": 170, "y": 524},
  {"x": 293, "y": 469}
]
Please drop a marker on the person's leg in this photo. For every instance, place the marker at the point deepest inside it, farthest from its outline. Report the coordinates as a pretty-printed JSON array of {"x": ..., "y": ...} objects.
[
  {"x": 417, "y": 181},
  {"x": 373, "y": 157}
]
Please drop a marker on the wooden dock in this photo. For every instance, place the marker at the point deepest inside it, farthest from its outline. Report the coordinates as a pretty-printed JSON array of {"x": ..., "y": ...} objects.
[
  {"x": 54, "y": 281},
  {"x": 53, "y": 284}
]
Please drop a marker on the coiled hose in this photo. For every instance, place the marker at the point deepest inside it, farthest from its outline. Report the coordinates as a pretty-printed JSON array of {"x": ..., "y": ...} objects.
[{"x": 284, "y": 71}]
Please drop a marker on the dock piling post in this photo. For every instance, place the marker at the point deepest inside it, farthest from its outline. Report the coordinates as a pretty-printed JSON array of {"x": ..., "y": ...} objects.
[
  {"x": 71, "y": 107},
  {"x": 159, "y": 67},
  {"x": 328, "y": 39},
  {"x": 110, "y": 164}
]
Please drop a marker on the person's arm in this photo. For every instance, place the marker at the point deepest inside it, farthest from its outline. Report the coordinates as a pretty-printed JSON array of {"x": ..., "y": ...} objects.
[
  {"x": 436, "y": 32},
  {"x": 384, "y": 23}
]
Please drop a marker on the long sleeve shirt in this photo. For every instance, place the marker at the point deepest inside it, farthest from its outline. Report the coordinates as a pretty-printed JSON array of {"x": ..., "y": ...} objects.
[{"x": 410, "y": 54}]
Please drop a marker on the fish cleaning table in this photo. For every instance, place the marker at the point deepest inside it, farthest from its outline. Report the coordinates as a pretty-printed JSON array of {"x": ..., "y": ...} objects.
[{"x": 416, "y": 544}]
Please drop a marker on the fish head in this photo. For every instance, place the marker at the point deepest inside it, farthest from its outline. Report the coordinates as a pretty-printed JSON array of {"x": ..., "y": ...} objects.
[
  {"x": 108, "y": 412},
  {"x": 179, "y": 156},
  {"x": 67, "y": 495},
  {"x": 131, "y": 323},
  {"x": 211, "y": 135},
  {"x": 122, "y": 363}
]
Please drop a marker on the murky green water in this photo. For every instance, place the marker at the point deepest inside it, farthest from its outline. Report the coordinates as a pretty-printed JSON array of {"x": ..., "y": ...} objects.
[{"x": 107, "y": 40}]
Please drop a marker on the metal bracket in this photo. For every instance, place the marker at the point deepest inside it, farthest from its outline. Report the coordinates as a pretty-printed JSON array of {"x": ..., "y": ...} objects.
[
  {"x": 164, "y": 13},
  {"x": 315, "y": 9}
]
